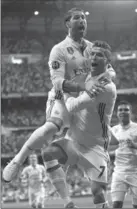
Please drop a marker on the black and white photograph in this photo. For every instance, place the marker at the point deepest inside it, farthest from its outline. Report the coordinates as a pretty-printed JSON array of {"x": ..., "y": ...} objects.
[{"x": 68, "y": 104}]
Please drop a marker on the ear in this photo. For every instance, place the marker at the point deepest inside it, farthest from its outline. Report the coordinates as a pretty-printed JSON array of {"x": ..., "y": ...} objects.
[
  {"x": 106, "y": 60},
  {"x": 68, "y": 25}
]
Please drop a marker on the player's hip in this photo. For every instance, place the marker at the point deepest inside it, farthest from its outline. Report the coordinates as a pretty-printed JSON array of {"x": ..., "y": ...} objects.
[
  {"x": 77, "y": 153},
  {"x": 127, "y": 177}
]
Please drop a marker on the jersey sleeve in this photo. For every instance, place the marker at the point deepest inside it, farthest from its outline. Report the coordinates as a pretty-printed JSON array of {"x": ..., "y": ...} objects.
[
  {"x": 113, "y": 140},
  {"x": 43, "y": 171},
  {"x": 76, "y": 104},
  {"x": 57, "y": 65}
]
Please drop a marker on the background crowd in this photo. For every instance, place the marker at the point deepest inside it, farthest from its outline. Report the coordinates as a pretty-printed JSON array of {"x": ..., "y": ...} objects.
[{"x": 20, "y": 116}]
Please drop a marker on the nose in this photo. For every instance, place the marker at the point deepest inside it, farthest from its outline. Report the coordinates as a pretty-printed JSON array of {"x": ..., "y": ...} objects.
[
  {"x": 81, "y": 20},
  {"x": 94, "y": 56}
]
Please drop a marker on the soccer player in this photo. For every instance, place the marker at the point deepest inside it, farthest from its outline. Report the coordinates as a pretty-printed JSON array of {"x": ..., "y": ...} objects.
[
  {"x": 69, "y": 65},
  {"x": 124, "y": 142},
  {"x": 35, "y": 174},
  {"x": 87, "y": 140}
]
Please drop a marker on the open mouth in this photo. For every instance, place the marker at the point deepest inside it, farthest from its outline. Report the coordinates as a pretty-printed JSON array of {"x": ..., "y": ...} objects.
[
  {"x": 94, "y": 64},
  {"x": 81, "y": 27}
]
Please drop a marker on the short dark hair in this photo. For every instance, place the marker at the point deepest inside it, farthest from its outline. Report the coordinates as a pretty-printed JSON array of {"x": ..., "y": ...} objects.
[
  {"x": 70, "y": 13},
  {"x": 124, "y": 102},
  {"x": 101, "y": 44}
]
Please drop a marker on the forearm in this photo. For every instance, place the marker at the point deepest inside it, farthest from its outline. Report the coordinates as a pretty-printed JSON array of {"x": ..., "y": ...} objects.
[
  {"x": 79, "y": 103},
  {"x": 68, "y": 86}
]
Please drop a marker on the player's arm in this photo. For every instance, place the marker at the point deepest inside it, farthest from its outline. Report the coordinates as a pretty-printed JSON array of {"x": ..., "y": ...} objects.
[
  {"x": 113, "y": 143},
  {"x": 87, "y": 98},
  {"x": 44, "y": 176},
  {"x": 24, "y": 173},
  {"x": 57, "y": 66}
]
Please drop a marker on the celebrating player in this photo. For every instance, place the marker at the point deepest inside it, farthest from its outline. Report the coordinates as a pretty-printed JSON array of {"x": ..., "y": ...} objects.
[
  {"x": 86, "y": 141},
  {"x": 69, "y": 66},
  {"x": 35, "y": 174},
  {"x": 124, "y": 140}
]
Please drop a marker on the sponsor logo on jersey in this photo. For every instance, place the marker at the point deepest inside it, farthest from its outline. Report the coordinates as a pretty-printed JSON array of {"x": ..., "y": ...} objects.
[
  {"x": 70, "y": 50},
  {"x": 55, "y": 65}
]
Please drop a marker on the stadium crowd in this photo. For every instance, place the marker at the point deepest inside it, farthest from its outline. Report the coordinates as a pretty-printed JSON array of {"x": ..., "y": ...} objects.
[
  {"x": 33, "y": 42},
  {"x": 26, "y": 78},
  {"x": 35, "y": 77}
]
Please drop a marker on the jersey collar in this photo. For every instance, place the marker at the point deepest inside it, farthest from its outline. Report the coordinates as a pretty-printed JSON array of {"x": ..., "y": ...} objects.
[
  {"x": 77, "y": 45},
  {"x": 127, "y": 126}
]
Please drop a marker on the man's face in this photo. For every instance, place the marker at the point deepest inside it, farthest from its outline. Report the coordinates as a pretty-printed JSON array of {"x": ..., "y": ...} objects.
[
  {"x": 124, "y": 113},
  {"x": 78, "y": 23},
  {"x": 33, "y": 159},
  {"x": 98, "y": 60}
]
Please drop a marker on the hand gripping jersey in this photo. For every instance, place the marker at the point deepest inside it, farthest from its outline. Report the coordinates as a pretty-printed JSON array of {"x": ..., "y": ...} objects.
[{"x": 126, "y": 157}]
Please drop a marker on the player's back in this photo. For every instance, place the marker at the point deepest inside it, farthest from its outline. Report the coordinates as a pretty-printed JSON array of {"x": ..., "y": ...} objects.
[
  {"x": 126, "y": 157},
  {"x": 90, "y": 126}
]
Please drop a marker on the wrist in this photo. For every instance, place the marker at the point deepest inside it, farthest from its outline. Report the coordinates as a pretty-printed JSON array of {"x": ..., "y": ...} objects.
[{"x": 81, "y": 87}]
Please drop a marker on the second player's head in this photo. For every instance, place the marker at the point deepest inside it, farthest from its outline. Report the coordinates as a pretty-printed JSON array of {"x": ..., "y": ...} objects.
[
  {"x": 124, "y": 112},
  {"x": 100, "y": 57},
  {"x": 33, "y": 160},
  {"x": 75, "y": 21}
]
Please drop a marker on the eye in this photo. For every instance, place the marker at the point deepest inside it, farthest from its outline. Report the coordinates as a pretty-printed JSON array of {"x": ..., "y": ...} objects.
[
  {"x": 100, "y": 55},
  {"x": 76, "y": 17}
]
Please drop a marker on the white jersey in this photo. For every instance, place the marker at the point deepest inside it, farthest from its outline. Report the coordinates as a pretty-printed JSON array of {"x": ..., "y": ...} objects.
[
  {"x": 34, "y": 176},
  {"x": 125, "y": 157},
  {"x": 90, "y": 125},
  {"x": 69, "y": 60}
]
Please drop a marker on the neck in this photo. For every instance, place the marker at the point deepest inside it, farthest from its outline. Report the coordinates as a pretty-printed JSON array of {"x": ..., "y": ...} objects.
[
  {"x": 125, "y": 123},
  {"x": 95, "y": 73},
  {"x": 75, "y": 37}
]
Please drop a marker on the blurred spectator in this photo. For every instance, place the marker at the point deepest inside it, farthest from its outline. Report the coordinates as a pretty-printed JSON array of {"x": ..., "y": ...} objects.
[
  {"x": 17, "y": 79},
  {"x": 35, "y": 42},
  {"x": 23, "y": 118},
  {"x": 126, "y": 73},
  {"x": 35, "y": 78}
]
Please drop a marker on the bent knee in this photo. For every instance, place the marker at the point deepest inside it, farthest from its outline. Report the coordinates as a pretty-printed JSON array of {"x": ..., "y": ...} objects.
[
  {"x": 98, "y": 193},
  {"x": 56, "y": 121}
]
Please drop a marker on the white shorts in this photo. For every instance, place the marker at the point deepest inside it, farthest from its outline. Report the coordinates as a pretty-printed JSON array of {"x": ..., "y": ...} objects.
[
  {"x": 36, "y": 196},
  {"x": 123, "y": 182},
  {"x": 93, "y": 165},
  {"x": 56, "y": 112}
]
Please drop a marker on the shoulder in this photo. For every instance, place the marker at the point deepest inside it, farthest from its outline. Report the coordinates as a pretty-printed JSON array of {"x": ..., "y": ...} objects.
[
  {"x": 58, "y": 50},
  {"x": 134, "y": 125},
  {"x": 26, "y": 169},
  {"x": 115, "y": 128},
  {"x": 111, "y": 89},
  {"x": 89, "y": 44}
]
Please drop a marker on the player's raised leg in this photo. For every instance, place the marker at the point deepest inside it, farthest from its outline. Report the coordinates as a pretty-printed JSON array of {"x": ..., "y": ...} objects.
[{"x": 58, "y": 118}]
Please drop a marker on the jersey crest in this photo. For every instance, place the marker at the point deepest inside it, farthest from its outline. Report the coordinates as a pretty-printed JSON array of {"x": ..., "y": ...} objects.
[{"x": 70, "y": 50}]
